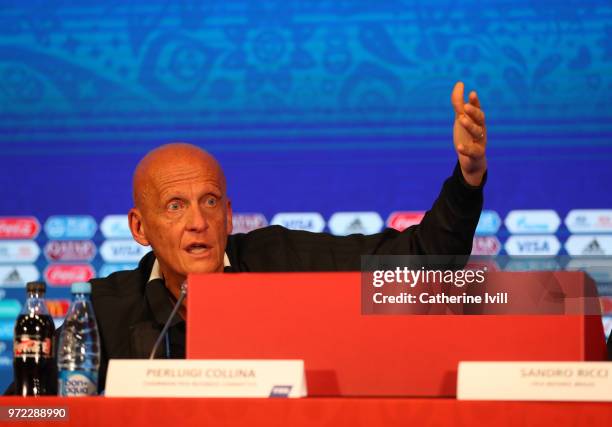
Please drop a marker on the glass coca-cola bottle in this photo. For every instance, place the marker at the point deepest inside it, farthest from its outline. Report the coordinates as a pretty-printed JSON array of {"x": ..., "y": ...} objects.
[{"x": 34, "y": 368}]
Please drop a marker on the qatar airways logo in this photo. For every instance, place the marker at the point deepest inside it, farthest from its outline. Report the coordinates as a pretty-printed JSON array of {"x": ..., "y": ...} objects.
[
  {"x": 26, "y": 227},
  {"x": 70, "y": 250},
  {"x": 123, "y": 251},
  {"x": 246, "y": 222},
  {"x": 305, "y": 221},
  {"x": 402, "y": 220},
  {"x": 65, "y": 275},
  {"x": 486, "y": 245}
]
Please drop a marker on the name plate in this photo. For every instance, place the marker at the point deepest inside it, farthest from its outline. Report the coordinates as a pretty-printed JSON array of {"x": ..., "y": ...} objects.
[
  {"x": 205, "y": 378},
  {"x": 544, "y": 381}
]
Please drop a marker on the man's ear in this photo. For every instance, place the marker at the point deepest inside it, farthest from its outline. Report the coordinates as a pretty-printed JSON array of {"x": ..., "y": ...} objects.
[
  {"x": 230, "y": 224},
  {"x": 137, "y": 227}
]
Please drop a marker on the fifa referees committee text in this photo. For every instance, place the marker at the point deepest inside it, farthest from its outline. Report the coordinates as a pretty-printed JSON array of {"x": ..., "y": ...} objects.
[{"x": 428, "y": 287}]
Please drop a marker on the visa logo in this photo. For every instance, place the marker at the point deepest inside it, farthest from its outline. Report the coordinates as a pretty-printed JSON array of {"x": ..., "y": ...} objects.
[
  {"x": 280, "y": 391},
  {"x": 306, "y": 221},
  {"x": 532, "y": 245},
  {"x": 122, "y": 251}
]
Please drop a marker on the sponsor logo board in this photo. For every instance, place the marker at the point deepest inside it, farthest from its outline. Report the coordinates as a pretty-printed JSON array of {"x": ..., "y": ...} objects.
[
  {"x": 589, "y": 245},
  {"x": 534, "y": 221},
  {"x": 532, "y": 264},
  {"x": 345, "y": 223},
  {"x": 6, "y": 330},
  {"x": 488, "y": 223},
  {"x": 245, "y": 222},
  {"x": 16, "y": 276},
  {"x": 589, "y": 221},
  {"x": 123, "y": 251},
  {"x": 70, "y": 250},
  {"x": 536, "y": 245},
  {"x": 9, "y": 309},
  {"x": 306, "y": 221},
  {"x": 486, "y": 245},
  {"x": 404, "y": 219},
  {"x": 70, "y": 227},
  {"x": 19, "y": 227},
  {"x": 58, "y": 307},
  {"x": 108, "y": 269},
  {"x": 600, "y": 269},
  {"x": 12, "y": 251},
  {"x": 115, "y": 227},
  {"x": 67, "y": 274}
]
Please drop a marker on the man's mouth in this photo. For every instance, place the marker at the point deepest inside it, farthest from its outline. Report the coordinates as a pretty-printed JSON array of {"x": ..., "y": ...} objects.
[{"x": 198, "y": 248}]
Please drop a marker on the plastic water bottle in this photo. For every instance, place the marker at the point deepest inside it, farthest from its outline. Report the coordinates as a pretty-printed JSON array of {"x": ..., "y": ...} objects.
[{"x": 78, "y": 356}]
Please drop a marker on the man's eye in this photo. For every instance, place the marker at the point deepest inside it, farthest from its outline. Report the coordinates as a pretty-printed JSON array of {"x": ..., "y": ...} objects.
[
  {"x": 211, "y": 201},
  {"x": 174, "y": 206}
]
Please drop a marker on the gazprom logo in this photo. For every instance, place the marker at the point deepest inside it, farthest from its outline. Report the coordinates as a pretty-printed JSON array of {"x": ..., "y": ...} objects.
[
  {"x": 115, "y": 227},
  {"x": 306, "y": 221},
  {"x": 532, "y": 246},
  {"x": 71, "y": 227},
  {"x": 488, "y": 223},
  {"x": 534, "y": 221},
  {"x": 123, "y": 251}
]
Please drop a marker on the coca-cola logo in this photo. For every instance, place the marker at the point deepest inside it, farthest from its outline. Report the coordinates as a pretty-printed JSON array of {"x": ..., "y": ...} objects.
[
  {"x": 70, "y": 250},
  {"x": 19, "y": 227},
  {"x": 32, "y": 346},
  {"x": 402, "y": 220},
  {"x": 65, "y": 275}
]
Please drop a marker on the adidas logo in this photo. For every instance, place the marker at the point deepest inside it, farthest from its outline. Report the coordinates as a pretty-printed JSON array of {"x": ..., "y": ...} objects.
[
  {"x": 355, "y": 227},
  {"x": 593, "y": 248},
  {"x": 12, "y": 278}
]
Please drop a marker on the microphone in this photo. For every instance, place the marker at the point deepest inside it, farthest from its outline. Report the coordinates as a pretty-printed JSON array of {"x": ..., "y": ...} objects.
[{"x": 179, "y": 301}]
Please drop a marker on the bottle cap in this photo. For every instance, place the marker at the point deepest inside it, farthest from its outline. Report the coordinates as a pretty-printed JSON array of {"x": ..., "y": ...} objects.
[
  {"x": 38, "y": 287},
  {"x": 81, "y": 288}
]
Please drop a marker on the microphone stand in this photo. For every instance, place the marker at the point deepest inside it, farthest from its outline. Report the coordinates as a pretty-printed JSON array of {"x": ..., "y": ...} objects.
[{"x": 179, "y": 301}]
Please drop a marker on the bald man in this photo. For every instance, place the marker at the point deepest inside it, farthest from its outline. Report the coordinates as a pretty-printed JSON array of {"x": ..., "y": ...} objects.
[{"x": 182, "y": 210}]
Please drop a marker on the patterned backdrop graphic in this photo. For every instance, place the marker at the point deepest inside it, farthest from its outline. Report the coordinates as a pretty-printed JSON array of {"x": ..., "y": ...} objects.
[{"x": 310, "y": 105}]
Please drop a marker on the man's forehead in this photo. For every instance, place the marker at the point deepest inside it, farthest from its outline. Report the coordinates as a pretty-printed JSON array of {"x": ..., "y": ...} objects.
[{"x": 175, "y": 165}]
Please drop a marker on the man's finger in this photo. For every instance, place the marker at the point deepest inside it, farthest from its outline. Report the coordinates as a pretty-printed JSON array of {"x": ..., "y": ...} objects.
[
  {"x": 475, "y": 114},
  {"x": 475, "y": 130},
  {"x": 457, "y": 98},
  {"x": 473, "y": 151},
  {"x": 473, "y": 98}
]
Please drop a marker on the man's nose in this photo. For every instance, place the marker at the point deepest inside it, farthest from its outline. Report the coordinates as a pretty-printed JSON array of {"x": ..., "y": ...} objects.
[{"x": 196, "y": 220}]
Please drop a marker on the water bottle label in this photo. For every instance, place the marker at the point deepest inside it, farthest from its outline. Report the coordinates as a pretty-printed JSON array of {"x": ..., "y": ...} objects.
[{"x": 78, "y": 383}]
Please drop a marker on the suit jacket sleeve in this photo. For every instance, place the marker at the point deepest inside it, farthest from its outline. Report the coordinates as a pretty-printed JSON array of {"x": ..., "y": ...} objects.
[{"x": 446, "y": 229}]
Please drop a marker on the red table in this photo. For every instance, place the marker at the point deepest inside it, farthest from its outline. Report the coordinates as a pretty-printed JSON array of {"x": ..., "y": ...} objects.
[{"x": 337, "y": 412}]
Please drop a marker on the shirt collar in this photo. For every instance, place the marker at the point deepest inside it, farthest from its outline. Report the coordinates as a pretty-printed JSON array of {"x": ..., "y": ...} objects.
[{"x": 157, "y": 274}]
